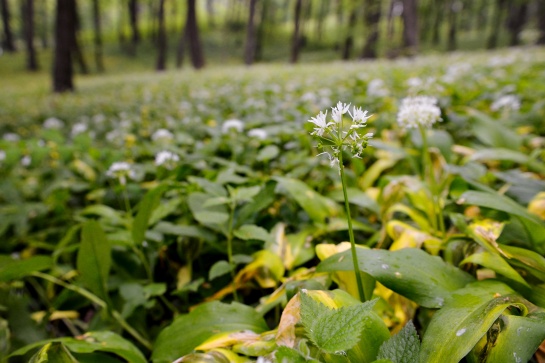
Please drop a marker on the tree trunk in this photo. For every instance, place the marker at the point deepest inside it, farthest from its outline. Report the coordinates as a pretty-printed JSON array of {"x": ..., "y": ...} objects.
[
  {"x": 28, "y": 31},
  {"x": 44, "y": 26},
  {"x": 7, "y": 42},
  {"x": 410, "y": 26},
  {"x": 261, "y": 28},
  {"x": 372, "y": 24},
  {"x": 322, "y": 14},
  {"x": 133, "y": 20},
  {"x": 516, "y": 21},
  {"x": 180, "y": 50},
  {"x": 296, "y": 39},
  {"x": 492, "y": 41},
  {"x": 348, "y": 44},
  {"x": 97, "y": 36},
  {"x": 76, "y": 48},
  {"x": 195, "y": 47},
  {"x": 251, "y": 36},
  {"x": 161, "y": 38},
  {"x": 438, "y": 19},
  {"x": 121, "y": 25},
  {"x": 454, "y": 9},
  {"x": 541, "y": 22},
  {"x": 65, "y": 29}
]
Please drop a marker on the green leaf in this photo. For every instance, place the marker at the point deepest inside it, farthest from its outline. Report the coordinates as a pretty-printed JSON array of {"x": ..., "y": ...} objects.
[
  {"x": 104, "y": 341},
  {"x": 94, "y": 258},
  {"x": 465, "y": 319},
  {"x": 251, "y": 231},
  {"x": 269, "y": 152},
  {"x": 183, "y": 231},
  {"x": 356, "y": 197},
  {"x": 403, "y": 347},
  {"x": 11, "y": 269},
  {"x": 53, "y": 353},
  {"x": 492, "y": 133},
  {"x": 508, "y": 155},
  {"x": 145, "y": 209},
  {"x": 218, "y": 269},
  {"x": 207, "y": 215},
  {"x": 496, "y": 263},
  {"x": 337, "y": 329},
  {"x": 108, "y": 213},
  {"x": 410, "y": 272},
  {"x": 285, "y": 354},
  {"x": 317, "y": 206},
  {"x": 205, "y": 321},
  {"x": 518, "y": 340}
]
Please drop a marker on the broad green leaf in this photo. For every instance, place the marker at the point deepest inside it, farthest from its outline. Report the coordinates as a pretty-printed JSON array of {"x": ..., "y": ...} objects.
[
  {"x": 410, "y": 272},
  {"x": 518, "y": 340},
  {"x": 54, "y": 352},
  {"x": 333, "y": 330},
  {"x": 206, "y": 320},
  {"x": 508, "y": 155},
  {"x": 145, "y": 209},
  {"x": 269, "y": 152},
  {"x": 251, "y": 231},
  {"x": 183, "y": 230},
  {"x": 212, "y": 215},
  {"x": 94, "y": 258},
  {"x": 218, "y": 269},
  {"x": 11, "y": 269},
  {"x": 492, "y": 133},
  {"x": 164, "y": 209},
  {"x": 104, "y": 341},
  {"x": 5, "y": 337},
  {"x": 404, "y": 347},
  {"x": 529, "y": 260},
  {"x": 108, "y": 213},
  {"x": 356, "y": 197},
  {"x": 262, "y": 200},
  {"x": 465, "y": 319},
  {"x": 496, "y": 263},
  {"x": 285, "y": 354},
  {"x": 317, "y": 206},
  {"x": 209, "y": 187}
]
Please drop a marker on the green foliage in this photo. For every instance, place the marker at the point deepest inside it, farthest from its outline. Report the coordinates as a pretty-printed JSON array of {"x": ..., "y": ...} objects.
[{"x": 402, "y": 347}]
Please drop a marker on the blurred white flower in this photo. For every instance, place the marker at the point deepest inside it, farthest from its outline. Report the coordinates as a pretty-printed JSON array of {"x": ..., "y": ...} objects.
[
  {"x": 53, "y": 123},
  {"x": 377, "y": 88},
  {"x": 258, "y": 133},
  {"x": 121, "y": 170},
  {"x": 26, "y": 160},
  {"x": 455, "y": 71},
  {"x": 232, "y": 124},
  {"x": 507, "y": 102},
  {"x": 166, "y": 159},
  {"x": 418, "y": 111},
  {"x": 162, "y": 135},
  {"x": 78, "y": 128},
  {"x": 2, "y": 155},
  {"x": 10, "y": 136}
]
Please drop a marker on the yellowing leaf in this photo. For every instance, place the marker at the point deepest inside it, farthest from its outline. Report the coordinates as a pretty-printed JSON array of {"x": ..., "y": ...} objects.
[
  {"x": 537, "y": 205},
  {"x": 228, "y": 339},
  {"x": 406, "y": 236}
]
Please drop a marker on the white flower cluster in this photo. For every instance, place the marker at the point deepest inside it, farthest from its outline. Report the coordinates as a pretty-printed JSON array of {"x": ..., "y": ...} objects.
[
  {"x": 166, "y": 159},
  {"x": 121, "y": 170},
  {"x": 507, "y": 102},
  {"x": 162, "y": 136},
  {"x": 339, "y": 135},
  {"x": 418, "y": 111},
  {"x": 53, "y": 123},
  {"x": 232, "y": 124}
]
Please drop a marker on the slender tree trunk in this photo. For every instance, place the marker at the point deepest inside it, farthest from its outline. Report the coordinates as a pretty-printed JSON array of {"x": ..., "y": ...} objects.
[
  {"x": 296, "y": 39},
  {"x": 133, "y": 20},
  {"x": 7, "y": 42},
  {"x": 28, "y": 31},
  {"x": 261, "y": 30},
  {"x": 97, "y": 36},
  {"x": 438, "y": 20},
  {"x": 410, "y": 26},
  {"x": 372, "y": 24},
  {"x": 322, "y": 13},
  {"x": 76, "y": 46},
  {"x": 516, "y": 21},
  {"x": 65, "y": 29},
  {"x": 180, "y": 50},
  {"x": 251, "y": 36},
  {"x": 348, "y": 44},
  {"x": 541, "y": 22},
  {"x": 121, "y": 25},
  {"x": 454, "y": 9},
  {"x": 161, "y": 38},
  {"x": 492, "y": 41},
  {"x": 195, "y": 47},
  {"x": 44, "y": 26}
]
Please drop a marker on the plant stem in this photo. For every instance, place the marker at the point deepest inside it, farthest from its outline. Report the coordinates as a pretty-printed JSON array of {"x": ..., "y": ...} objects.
[
  {"x": 427, "y": 173},
  {"x": 351, "y": 231},
  {"x": 230, "y": 250},
  {"x": 98, "y": 301}
]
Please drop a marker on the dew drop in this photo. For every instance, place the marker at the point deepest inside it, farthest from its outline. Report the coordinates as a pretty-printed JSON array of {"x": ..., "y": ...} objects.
[
  {"x": 518, "y": 331},
  {"x": 460, "y": 332}
]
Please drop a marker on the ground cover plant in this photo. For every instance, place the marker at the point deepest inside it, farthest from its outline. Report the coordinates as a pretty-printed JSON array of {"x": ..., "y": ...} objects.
[{"x": 262, "y": 215}]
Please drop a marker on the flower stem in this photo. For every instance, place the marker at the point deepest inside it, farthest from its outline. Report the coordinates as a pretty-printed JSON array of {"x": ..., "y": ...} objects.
[
  {"x": 230, "y": 251},
  {"x": 427, "y": 173},
  {"x": 351, "y": 231}
]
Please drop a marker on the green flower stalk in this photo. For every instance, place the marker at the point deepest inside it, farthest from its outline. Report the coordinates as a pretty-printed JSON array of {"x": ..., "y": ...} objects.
[{"x": 337, "y": 136}]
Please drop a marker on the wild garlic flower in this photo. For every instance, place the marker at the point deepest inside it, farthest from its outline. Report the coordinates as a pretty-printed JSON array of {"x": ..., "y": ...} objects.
[
  {"x": 418, "y": 111},
  {"x": 121, "y": 171},
  {"x": 506, "y": 103},
  {"x": 337, "y": 135},
  {"x": 166, "y": 159},
  {"x": 78, "y": 128},
  {"x": 258, "y": 133},
  {"x": 53, "y": 123},
  {"x": 11, "y": 136},
  {"x": 162, "y": 135},
  {"x": 2, "y": 155},
  {"x": 232, "y": 124}
]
